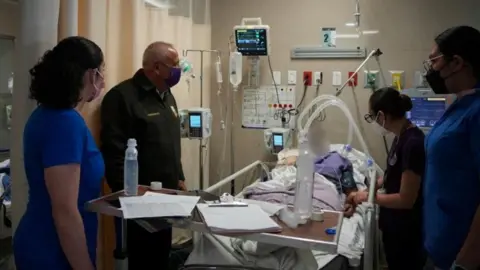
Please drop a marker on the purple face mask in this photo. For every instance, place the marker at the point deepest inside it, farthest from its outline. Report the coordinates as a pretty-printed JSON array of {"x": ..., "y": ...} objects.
[{"x": 175, "y": 74}]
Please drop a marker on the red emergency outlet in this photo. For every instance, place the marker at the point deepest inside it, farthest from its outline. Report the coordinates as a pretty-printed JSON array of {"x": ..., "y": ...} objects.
[
  {"x": 307, "y": 78},
  {"x": 354, "y": 81}
]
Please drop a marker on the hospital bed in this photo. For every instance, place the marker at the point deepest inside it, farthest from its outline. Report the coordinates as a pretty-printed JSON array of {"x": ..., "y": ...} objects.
[
  {"x": 347, "y": 254},
  {"x": 306, "y": 246}
]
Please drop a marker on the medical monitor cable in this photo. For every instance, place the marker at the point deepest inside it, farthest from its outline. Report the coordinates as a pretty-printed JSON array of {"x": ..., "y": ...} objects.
[{"x": 281, "y": 111}]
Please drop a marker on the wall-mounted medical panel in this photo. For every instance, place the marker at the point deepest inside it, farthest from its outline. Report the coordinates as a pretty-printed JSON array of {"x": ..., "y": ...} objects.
[
  {"x": 397, "y": 79},
  {"x": 316, "y": 52},
  {"x": 371, "y": 79}
]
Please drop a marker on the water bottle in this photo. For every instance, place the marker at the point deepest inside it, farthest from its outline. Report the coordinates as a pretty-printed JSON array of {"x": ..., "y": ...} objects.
[
  {"x": 130, "y": 169},
  {"x": 304, "y": 182}
]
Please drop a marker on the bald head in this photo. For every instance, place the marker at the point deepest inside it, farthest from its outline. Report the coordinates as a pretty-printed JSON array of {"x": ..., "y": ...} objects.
[{"x": 160, "y": 52}]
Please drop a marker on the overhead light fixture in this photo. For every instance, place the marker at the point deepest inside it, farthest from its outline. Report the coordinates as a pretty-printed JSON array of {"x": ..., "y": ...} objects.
[
  {"x": 350, "y": 24},
  {"x": 370, "y": 32},
  {"x": 160, "y": 4},
  {"x": 366, "y": 32}
]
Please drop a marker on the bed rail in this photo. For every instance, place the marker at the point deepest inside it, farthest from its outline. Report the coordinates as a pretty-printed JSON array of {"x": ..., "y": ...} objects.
[
  {"x": 237, "y": 174},
  {"x": 371, "y": 255}
]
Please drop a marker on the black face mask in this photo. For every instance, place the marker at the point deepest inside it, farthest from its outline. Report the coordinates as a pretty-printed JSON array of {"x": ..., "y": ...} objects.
[{"x": 436, "y": 82}]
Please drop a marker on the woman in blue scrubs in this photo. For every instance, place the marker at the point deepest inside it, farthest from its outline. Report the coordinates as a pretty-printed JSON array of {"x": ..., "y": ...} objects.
[
  {"x": 400, "y": 197},
  {"x": 452, "y": 182},
  {"x": 63, "y": 166}
]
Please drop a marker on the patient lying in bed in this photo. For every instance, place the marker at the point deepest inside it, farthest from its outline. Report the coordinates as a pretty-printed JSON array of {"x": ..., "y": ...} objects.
[{"x": 333, "y": 182}]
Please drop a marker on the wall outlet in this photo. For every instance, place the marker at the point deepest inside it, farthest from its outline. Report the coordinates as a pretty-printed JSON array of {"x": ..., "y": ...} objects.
[
  {"x": 307, "y": 78},
  {"x": 277, "y": 78},
  {"x": 337, "y": 78},
  {"x": 292, "y": 77},
  {"x": 317, "y": 78}
]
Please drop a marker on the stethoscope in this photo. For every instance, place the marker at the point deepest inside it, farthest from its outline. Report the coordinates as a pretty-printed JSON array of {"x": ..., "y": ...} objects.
[{"x": 392, "y": 154}]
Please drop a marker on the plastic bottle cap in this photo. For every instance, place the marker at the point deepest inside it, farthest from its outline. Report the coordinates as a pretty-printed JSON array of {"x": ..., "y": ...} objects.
[
  {"x": 317, "y": 216},
  {"x": 156, "y": 185},
  {"x": 132, "y": 142},
  {"x": 370, "y": 162},
  {"x": 348, "y": 147}
]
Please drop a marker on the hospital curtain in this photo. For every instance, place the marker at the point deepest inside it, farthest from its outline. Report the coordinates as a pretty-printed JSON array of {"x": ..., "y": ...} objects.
[{"x": 123, "y": 29}]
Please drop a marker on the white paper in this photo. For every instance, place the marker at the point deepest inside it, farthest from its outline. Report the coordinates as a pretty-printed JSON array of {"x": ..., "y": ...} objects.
[
  {"x": 157, "y": 205},
  {"x": 237, "y": 219},
  {"x": 270, "y": 208}
]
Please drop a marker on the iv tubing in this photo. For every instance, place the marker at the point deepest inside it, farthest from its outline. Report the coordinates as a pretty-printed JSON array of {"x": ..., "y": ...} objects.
[
  {"x": 347, "y": 113},
  {"x": 315, "y": 102}
]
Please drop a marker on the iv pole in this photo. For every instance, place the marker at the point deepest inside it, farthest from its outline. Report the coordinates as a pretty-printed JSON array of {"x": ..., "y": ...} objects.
[{"x": 201, "y": 145}]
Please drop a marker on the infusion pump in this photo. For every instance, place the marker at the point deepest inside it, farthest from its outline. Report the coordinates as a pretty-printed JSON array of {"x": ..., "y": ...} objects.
[
  {"x": 277, "y": 139},
  {"x": 195, "y": 123}
]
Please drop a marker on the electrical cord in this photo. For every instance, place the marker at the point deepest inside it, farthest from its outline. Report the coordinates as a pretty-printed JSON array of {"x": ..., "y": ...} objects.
[{"x": 282, "y": 113}]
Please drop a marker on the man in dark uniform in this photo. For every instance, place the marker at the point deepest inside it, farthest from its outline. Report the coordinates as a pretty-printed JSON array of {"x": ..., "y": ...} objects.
[{"x": 144, "y": 108}]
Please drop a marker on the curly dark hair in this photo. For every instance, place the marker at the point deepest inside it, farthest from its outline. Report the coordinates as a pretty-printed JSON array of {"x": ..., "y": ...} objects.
[{"x": 57, "y": 78}]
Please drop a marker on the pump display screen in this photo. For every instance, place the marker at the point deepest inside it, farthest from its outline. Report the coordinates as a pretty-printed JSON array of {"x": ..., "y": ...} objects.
[
  {"x": 251, "y": 41},
  {"x": 195, "y": 121},
  {"x": 277, "y": 140},
  {"x": 426, "y": 111}
]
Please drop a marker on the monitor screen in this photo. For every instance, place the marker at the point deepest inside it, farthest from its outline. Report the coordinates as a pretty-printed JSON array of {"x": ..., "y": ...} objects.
[
  {"x": 277, "y": 140},
  {"x": 195, "y": 121},
  {"x": 251, "y": 41},
  {"x": 426, "y": 111}
]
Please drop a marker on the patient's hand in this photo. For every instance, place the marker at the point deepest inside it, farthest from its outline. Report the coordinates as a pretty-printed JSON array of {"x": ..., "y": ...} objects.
[
  {"x": 349, "y": 210},
  {"x": 351, "y": 198}
]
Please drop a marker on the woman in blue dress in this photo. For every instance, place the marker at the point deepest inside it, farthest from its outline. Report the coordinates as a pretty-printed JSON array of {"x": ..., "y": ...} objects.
[{"x": 63, "y": 165}]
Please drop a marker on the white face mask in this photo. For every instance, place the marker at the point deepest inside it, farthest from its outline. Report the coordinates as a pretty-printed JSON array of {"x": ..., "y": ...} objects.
[{"x": 380, "y": 129}]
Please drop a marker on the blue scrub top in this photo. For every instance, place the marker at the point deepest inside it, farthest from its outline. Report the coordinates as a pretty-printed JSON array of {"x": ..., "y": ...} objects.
[
  {"x": 452, "y": 182},
  {"x": 55, "y": 137}
]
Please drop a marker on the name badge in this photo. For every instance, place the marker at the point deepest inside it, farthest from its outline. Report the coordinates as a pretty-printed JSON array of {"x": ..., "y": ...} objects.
[{"x": 174, "y": 111}]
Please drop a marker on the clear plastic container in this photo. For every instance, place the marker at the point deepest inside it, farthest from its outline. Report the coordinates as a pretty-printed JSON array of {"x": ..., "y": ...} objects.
[
  {"x": 304, "y": 182},
  {"x": 130, "y": 169},
  {"x": 236, "y": 66}
]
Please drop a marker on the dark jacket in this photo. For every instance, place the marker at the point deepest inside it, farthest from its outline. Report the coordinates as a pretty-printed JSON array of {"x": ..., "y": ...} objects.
[{"x": 135, "y": 109}]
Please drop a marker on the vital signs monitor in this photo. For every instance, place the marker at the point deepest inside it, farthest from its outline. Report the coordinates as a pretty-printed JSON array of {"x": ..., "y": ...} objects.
[
  {"x": 252, "y": 40},
  {"x": 196, "y": 123},
  {"x": 277, "y": 139},
  {"x": 427, "y": 108}
]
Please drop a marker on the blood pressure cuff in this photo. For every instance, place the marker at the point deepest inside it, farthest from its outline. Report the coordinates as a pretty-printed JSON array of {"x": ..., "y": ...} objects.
[
  {"x": 338, "y": 170},
  {"x": 345, "y": 183}
]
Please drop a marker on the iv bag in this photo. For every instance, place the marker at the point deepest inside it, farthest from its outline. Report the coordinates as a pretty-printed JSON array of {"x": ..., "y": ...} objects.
[{"x": 235, "y": 68}]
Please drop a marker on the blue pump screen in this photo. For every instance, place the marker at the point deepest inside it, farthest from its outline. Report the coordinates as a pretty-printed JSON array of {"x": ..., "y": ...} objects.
[
  {"x": 277, "y": 140},
  {"x": 426, "y": 111},
  {"x": 195, "y": 121}
]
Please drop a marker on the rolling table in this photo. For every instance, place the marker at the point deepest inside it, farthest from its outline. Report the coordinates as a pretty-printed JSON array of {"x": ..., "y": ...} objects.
[{"x": 308, "y": 236}]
